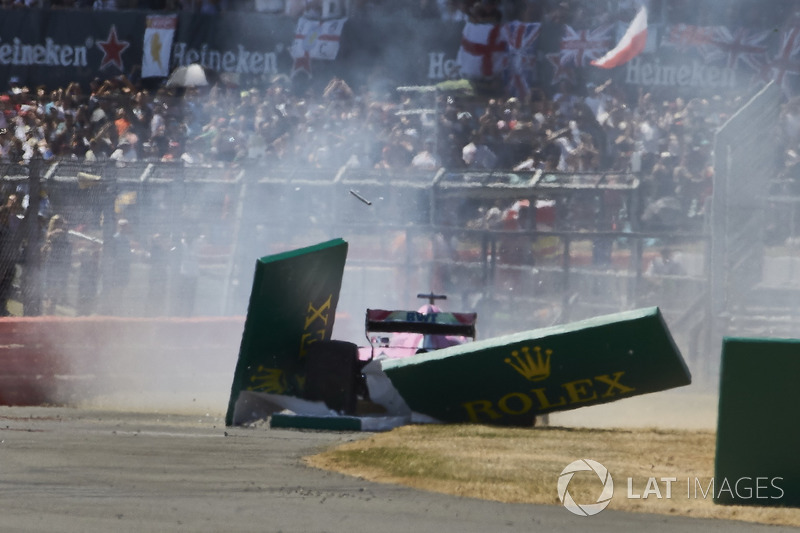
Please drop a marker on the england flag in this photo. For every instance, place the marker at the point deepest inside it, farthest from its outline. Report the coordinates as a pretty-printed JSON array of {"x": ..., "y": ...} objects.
[{"x": 483, "y": 50}]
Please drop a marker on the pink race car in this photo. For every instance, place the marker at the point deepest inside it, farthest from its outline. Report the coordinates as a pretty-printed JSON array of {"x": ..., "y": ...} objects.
[
  {"x": 334, "y": 369},
  {"x": 412, "y": 332}
]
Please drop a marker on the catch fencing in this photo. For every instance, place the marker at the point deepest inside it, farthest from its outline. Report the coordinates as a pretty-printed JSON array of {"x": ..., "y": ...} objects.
[{"x": 524, "y": 250}]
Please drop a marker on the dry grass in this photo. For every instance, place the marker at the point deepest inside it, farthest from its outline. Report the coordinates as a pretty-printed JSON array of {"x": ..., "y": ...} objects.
[{"x": 522, "y": 466}]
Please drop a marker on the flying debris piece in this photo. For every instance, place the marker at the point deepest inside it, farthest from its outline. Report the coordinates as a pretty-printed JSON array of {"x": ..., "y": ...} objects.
[{"x": 354, "y": 193}]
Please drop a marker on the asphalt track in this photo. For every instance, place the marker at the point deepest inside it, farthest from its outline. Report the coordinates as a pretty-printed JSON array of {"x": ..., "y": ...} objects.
[{"x": 65, "y": 470}]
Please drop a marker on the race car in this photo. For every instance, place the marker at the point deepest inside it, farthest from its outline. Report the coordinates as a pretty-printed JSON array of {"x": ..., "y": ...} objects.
[
  {"x": 334, "y": 369},
  {"x": 426, "y": 329}
]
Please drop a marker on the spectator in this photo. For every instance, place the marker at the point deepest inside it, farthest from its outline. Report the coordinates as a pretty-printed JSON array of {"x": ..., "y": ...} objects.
[
  {"x": 397, "y": 152},
  {"x": 188, "y": 271},
  {"x": 426, "y": 158},
  {"x": 226, "y": 143},
  {"x": 88, "y": 276},
  {"x": 667, "y": 263},
  {"x": 661, "y": 182},
  {"x": 119, "y": 253},
  {"x": 158, "y": 279},
  {"x": 104, "y": 5},
  {"x": 10, "y": 247},
  {"x": 478, "y": 156},
  {"x": 693, "y": 179},
  {"x": 122, "y": 122},
  {"x": 210, "y": 7},
  {"x": 125, "y": 152},
  {"x": 57, "y": 262},
  {"x": 98, "y": 151}
]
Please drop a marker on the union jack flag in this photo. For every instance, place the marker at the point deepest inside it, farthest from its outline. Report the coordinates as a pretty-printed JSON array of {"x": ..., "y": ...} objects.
[
  {"x": 521, "y": 58},
  {"x": 582, "y": 46},
  {"x": 785, "y": 62},
  {"x": 560, "y": 70},
  {"x": 742, "y": 45},
  {"x": 686, "y": 36}
]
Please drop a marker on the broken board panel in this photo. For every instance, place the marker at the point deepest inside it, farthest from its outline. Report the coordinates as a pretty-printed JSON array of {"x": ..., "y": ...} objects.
[
  {"x": 292, "y": 304},
  {"x": 509, "y": 380}
]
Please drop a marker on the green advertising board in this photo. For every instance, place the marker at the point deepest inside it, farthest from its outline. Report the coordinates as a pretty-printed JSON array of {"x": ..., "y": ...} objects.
[
  {"x": 758, "y": 437},
  {"x": 292, "y": 304},
  {"x": 509, "y": 380}
]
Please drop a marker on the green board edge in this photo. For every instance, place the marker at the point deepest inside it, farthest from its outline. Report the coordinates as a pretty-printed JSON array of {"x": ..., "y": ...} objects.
[
  {"x": 758, "y": 436},
  {"x": 292, "y": 304},
  {"x": 325, "y": 423}
]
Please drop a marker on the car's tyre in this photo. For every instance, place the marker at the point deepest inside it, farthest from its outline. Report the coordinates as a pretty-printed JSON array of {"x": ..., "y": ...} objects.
[{"x": 332, "y": 374}]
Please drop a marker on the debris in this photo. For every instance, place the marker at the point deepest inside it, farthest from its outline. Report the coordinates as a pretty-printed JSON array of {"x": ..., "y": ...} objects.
[{"x": 354, "y": 193}]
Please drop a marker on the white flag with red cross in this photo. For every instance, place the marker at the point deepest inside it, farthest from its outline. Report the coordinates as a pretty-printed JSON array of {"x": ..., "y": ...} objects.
[
  {"x": 314, "y": 39},
  {"x": 483, "y": 50}
]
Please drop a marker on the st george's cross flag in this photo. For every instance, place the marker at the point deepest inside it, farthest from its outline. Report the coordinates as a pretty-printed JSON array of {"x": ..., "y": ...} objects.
[
  {"x": 158, "y": 34},
  {"x": 483, "y": 50},
  {"x": 314, "y": 39},
  {"x": 631, "y": 44}
]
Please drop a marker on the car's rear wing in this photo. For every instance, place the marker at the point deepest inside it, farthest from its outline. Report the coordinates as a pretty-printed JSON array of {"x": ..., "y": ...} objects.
[{"x": 441, "y": 323}]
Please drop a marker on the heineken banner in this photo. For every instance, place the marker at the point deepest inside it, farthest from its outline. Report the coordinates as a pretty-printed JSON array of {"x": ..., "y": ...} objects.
[
  {"x": 56, "y": 47},
  {"x": 292, "y": 304},
  {"x": 509, "y": 380}
]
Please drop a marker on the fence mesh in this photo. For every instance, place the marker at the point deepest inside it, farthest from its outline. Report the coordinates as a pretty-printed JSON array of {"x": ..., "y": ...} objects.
[{"x": 161, "y": 239}]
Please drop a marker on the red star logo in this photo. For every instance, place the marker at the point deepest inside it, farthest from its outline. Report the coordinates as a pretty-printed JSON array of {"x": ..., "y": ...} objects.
[
  {"x": 561, "y": 70},
  {"x": 302, "y": 64},
  {"x": 112, "y": 50}
]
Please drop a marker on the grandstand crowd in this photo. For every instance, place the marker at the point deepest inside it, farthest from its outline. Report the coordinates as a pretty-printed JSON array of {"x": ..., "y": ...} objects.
[
  {"x": 567, "y": 128},
  {"x": 573, "y": 129}
]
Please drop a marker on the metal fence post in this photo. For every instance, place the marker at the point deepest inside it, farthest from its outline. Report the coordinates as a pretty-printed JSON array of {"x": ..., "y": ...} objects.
[{"x": 32, "y": 237}]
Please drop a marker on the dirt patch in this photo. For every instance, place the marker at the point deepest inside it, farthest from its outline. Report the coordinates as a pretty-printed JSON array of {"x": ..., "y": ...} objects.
[{"x": 523, "y": 466}]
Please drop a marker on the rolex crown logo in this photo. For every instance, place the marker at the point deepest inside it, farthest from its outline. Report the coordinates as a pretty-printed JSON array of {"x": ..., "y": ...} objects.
[
  {"x": 270, "y": 380},
  {"x": 531, "y": 367}
]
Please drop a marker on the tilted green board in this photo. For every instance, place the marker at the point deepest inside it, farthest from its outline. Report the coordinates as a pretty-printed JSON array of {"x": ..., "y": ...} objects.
[
  {"x": 758, "y": 435},
  {"x": 509, "y": 380},
  {"x": 292, "y": 304}
]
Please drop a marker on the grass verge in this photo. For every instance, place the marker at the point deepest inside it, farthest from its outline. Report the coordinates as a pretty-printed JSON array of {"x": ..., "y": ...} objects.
[{"x": 523, "y": 465}]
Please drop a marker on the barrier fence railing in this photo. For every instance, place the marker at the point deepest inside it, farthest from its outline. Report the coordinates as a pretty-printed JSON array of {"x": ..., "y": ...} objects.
[{"x": 195, "y": 232}]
